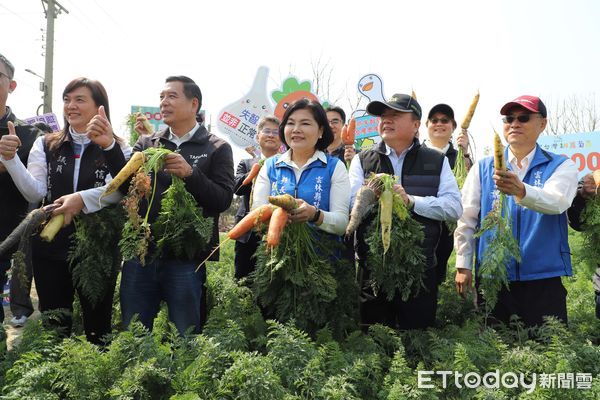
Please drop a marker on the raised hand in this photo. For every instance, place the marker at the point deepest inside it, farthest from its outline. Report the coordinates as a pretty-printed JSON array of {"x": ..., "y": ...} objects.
[
  {"x": 99, "y": 129},
  {"x": 9, "y": 144}
]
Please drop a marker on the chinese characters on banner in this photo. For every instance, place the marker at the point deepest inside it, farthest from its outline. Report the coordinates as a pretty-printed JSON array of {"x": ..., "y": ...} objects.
[
  {"x": 582, "y": 148},
  {"x": 49, "y": 119},
  {"x": 366, "y": 134},
  {"x": 238, "y": 120}
]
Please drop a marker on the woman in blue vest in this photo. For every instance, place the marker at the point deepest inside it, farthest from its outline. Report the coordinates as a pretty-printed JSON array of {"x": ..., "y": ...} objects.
[
  {"x": 81, "y": 158},
  {"x": 318, "y": 181}
]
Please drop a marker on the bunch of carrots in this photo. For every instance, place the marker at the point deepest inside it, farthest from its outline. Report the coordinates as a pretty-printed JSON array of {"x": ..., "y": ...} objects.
[
  {"x": 502, "y": 246},
  {"x": 460, "y": 168},
  {"x": 393, "y": 237},
  {"x": 275, "y": 213}
]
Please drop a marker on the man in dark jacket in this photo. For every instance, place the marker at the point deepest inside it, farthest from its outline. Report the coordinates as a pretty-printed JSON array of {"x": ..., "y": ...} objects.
[
  {"x": 13, "y": 206},
  {"x": 269, "y": 142},
  {"x": 586, "y": 191},
  {"x": 426, "y": 185},
  {"x": 205, "y": 163}
]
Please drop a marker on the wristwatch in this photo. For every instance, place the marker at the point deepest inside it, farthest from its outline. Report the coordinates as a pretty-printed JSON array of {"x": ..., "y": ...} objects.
[{"x": 317, "y": 216}]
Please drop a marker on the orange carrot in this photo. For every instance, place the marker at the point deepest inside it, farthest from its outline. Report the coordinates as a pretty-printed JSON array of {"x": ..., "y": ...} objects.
[
  {"x": 349, "y": 139},
  {"x": 252, "y": 174},
  {"x": 344, "y": 134},
  {"x": 278, "y": 222},
  {"x": 253, "y": 218},
  {"x": 285, "y": 201}
]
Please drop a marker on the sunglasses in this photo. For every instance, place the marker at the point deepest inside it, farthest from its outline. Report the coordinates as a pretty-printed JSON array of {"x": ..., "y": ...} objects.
[
  {"x": 509, "y": 119},
  {"x": 270, "y": 132},
  {"x": 442, "y": 120}
]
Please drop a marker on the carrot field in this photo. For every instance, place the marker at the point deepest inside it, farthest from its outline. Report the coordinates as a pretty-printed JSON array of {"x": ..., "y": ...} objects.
[{"x": 242, "y": 356}]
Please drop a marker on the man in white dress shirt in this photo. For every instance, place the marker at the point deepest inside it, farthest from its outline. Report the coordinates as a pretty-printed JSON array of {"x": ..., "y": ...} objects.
[{"x": 540, "y": 186}]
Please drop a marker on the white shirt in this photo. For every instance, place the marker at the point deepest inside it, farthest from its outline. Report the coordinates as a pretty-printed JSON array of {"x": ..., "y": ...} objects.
[
  {"x": 32, "y": 181},
  {"x": 430, "y": 145},
  {"x": 554, "y": 198},
  {"x": 445, "y": 207},
  {"x": 179, "y": 140},
  {"x": 336, "y": 219}
]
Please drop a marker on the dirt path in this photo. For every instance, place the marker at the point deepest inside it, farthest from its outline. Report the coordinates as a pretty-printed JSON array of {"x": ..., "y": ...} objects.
[{"x": 13, "y": 335}]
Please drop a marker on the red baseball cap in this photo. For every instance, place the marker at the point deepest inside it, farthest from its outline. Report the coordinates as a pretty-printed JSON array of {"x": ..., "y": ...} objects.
[{"x": 531, "y": 103}]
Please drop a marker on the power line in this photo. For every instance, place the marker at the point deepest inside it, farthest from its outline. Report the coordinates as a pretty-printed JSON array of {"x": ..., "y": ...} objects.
[
  {"x": 18, "y": 16},
  {"x": 108, "y": 15}
]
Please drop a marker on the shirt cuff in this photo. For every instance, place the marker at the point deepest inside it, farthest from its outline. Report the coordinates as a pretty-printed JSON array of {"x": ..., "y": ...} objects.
[
  {"x": 464, "y": 261},
  {"x": 418, "y": 205},
  {"x": 111, "y": 145},
  {"x": 530, "y": 198},
  {"x": 12, "y": 161}
]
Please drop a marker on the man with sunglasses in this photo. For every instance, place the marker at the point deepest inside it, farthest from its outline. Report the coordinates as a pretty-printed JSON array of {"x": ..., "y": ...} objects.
[
  {"x": 13, "y": 206},
  {"x": 440, "y": 127},
  {"x": 269, "y": 142},
  {"x": 540, "y": 186}
]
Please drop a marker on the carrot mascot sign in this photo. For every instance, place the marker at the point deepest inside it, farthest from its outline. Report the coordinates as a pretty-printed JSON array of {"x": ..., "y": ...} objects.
[
  {"x": 238, "y": 120},
  {"x": 291, "y": 90}
]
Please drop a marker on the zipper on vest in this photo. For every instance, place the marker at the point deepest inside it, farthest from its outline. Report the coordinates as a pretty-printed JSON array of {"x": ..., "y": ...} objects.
[{"x": 518, "y": 265}]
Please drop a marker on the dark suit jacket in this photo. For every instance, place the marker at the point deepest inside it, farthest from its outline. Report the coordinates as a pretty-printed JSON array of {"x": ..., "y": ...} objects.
[{"x": 243, "y": 191}]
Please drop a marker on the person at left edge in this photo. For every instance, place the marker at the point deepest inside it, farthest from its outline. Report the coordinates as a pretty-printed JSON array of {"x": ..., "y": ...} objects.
[
  {"x": 13, "y": 206},
  {"x": 205, "y": 163},
  {"x": 71, "y": 164}
]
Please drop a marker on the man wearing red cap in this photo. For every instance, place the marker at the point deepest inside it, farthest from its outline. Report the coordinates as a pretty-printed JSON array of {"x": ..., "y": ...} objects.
[{"x": 540, "y": 187}]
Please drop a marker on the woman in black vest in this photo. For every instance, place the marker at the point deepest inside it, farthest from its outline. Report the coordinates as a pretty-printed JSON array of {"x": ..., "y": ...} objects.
[
  {"x": 80, "y": 158},
  {"x": 440, "y": 127}
]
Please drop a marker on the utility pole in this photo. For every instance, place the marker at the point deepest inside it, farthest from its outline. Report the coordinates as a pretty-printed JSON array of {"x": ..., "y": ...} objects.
[{"x": 50, "y": 8}]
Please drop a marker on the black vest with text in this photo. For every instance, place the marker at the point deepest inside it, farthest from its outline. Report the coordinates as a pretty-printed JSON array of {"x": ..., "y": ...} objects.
[
  {"x": 420, "y": 177},
  {"x": 60, "y": 164}
]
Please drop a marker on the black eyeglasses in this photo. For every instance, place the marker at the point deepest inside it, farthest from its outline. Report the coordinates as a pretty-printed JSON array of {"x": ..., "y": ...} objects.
[
  {"x": 509, "y": 119},
  {"x": 442, "y": 120},
  {"x": 3, "y": 74}
]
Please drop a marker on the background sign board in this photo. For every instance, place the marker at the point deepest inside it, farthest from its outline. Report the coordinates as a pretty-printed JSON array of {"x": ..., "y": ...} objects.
[
  {"x": 582, "y": 148},
  {"x": 49, "y": 119}
]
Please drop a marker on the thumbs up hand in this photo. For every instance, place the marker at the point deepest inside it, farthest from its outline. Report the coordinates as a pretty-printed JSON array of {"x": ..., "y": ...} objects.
[
  {"x": 99, "y": 129},
  {"x": 9, "y": 144}
]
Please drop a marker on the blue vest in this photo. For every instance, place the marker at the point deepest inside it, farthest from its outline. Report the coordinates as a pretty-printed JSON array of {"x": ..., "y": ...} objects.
[
  {"x": 314, "y": 184},
  {"x": 542, "y": 238}
]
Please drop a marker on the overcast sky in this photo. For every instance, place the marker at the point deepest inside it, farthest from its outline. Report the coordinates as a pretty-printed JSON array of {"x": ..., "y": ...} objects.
[{"x": 443, "y": 50}]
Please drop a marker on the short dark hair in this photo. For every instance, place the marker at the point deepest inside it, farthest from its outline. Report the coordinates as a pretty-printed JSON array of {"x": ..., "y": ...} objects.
[
  {"x": 99, "y": 94},
  {"x": 318, "y": 113},
  {"x": 190, "y": 89},
  {"x": 338, "y": 110},
  {"x": 9, "y": 66},
  {"x": 266, "y": 119},
  {"x": 100, "y": 98},
  {"x": 42, "y": 126}
]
